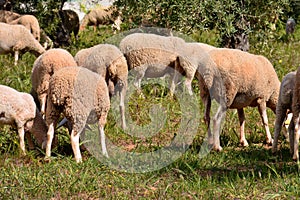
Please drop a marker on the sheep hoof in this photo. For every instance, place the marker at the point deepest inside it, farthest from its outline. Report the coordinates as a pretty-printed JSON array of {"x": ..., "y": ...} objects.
[
  {"x": 269, "y": 142},
  {"x": 274, "y": 150},
  {"x": 218, "y": 148},
  {"x": 47, "y": 159},
  {"x": 244, "y": 143}
]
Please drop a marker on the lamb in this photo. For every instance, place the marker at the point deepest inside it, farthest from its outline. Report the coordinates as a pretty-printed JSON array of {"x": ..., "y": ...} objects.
[
  {"x": 102, "y": 16},
  {"x": 296, "y": 116},
  {"x": 16, "y": 39},
  {"x": 43, "y": 68},
  {"x": 18, "y": 109},
  {"x": 83, "y": 97},
  {"x": 236, "y": 79},
  {"x": 284, "y": 106},
  {"x": 31, "y": 23},
  {"x": 109, "y": 62},
  {"x": 151, "y": 56}
]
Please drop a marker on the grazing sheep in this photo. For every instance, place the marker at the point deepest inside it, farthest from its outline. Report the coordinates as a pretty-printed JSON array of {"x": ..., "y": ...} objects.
[
  {"x": 296, "y": 116},
  {"x": 193, "y": 53},
  {"x": 43, "y": 68},
  {"x": 237, "y": 79},
  {"x": 81, "y": 55},
  {"x": 18, "y": 109},
  {"x": 102, "y": 16},
  {"x": 290, "y": 26},
  {"x": 150, "y": 55},
  {"x": 82, "y": 96},
  {"x": 284, "y": 106},
  {"x": 8, "y": 16},
  {"x": 109, "y": 62},
  {"x": 16, "y": 39},
  {"x": 31, "y": 23}
]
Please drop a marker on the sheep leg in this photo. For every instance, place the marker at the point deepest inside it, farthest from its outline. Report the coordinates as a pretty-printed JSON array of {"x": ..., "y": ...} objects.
[
  {"x": 102, "y": 140},
  {"x": 207, "y": 106},
  {"x": 50, "y": 135},
  {"x": 296, "y": 137},
  {"x": 263, "y": 113},
  {"x": 21, "y": 133},
  {"x": 16, "y": 57},
  {"x": 280, "y": 115},
  {"x": 29, "y": 139},
  {"x": 43, "y": 99},
  {"x": 122, "y": 107},
  {"x": 217, "y": 127},
  {"x": 241, "y": 115},
  {"x": 291, "y": 136},
  {"x": 75, "y": 146}
]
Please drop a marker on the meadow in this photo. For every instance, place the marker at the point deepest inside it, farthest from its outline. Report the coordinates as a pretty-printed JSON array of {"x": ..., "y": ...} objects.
[{"x": 235, "y": 173}]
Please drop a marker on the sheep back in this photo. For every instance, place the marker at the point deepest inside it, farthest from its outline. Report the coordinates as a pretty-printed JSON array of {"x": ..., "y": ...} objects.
[
  {"x": 108, "y": 61},
  {"x": 143, "y": 50},
  {"x": 79, "y": 92},
  {"x": 45, "y": 66},
  {"x": 250, "y": 76},
  {"x": 15, "y": 107},
  {"x": 31, "y": 23},
  {"x": 18, "y": 38}
]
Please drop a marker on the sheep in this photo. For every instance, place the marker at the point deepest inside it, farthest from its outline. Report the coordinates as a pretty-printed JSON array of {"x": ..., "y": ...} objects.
[
  {"x": 29, "y": 21},
  {"x": 151, "y": 56},
  {"x": 82, "y": 96},
  {"x": 102, "y": 16},
  {"x": 81, "y": 55},
  {"x": 16, "y": 39},
  {"x": 109, "y": 62},
  {"x": 296, "y": 116},
  {"x": 284, "y": 106},
  {"x": 290, "y": 26},
  {"x": 8, "y": 16},
  {"x": 191, "y": 50},
  {"x": 236, "y": 79},
  {"x": 43, "y": 68},
  {"x": 18, "y": 109}
]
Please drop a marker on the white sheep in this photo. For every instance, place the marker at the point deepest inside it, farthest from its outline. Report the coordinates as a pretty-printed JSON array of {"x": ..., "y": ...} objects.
[
  {"x": 43, "y": 68},
  {"x": 284, "y": 106},
  {"x": 192, "y": 52},
  {"x": 8, "y": 16},
  {"x": 82, "y": 96},
  {"x": 81, "y": 55},
  {"x": 31, "y": 23},
  {"x": 151, "y": 56},
  {"x": 236, "y": 79},
  {"x": 102, "y": 16},
  {"x": 16, "y": 39},
  {"x": 19, "y": 110},
  {"x": 109, "y": 62},
  {"x": 296, "y": 116}
]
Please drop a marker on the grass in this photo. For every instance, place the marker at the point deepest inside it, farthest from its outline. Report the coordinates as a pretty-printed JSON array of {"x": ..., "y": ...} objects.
[{"x": 235, "y": 173}]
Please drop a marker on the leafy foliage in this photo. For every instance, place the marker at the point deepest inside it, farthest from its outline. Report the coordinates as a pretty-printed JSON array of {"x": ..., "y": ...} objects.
[{"x": 227, "y": 17}]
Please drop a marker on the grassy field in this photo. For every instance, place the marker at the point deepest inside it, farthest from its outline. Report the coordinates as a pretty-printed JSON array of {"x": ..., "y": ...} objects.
[{"x": 234, "y": 173}]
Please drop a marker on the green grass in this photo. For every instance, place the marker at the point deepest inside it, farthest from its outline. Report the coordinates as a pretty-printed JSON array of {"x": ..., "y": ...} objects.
[{"x": 235, "y": 173}]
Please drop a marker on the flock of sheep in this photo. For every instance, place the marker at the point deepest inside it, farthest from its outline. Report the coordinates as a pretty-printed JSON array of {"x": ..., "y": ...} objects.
[{"x": 80, "y": 87}]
